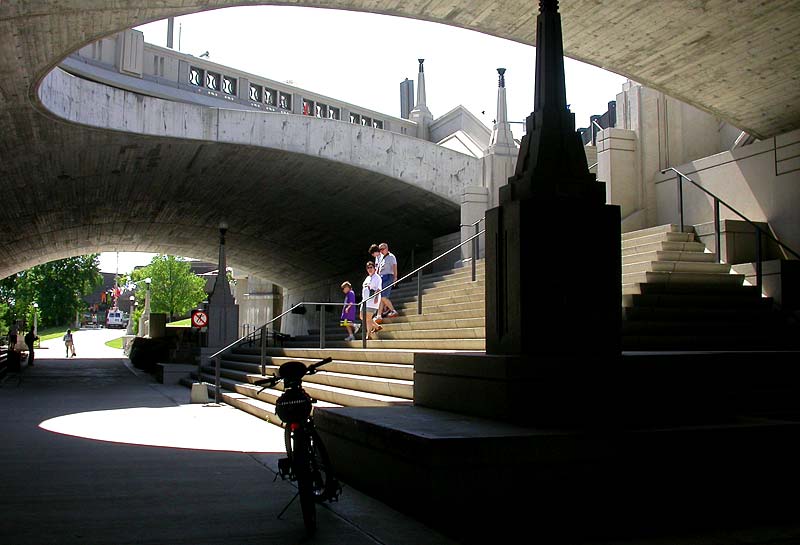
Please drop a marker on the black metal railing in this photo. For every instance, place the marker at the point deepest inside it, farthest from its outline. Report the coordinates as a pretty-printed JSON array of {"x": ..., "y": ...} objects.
[
  {"x": 261, "y": 334},
  {"x": 759, "y": 232}
]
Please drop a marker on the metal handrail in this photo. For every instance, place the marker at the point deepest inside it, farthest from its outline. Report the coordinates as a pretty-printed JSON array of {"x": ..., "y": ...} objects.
[
  {"x": 216, "y": 356},
  {"x": 717, "y": 229}
]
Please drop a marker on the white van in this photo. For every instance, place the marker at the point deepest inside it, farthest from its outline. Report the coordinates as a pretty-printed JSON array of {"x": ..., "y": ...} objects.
[{"x": 115, "y": 319}]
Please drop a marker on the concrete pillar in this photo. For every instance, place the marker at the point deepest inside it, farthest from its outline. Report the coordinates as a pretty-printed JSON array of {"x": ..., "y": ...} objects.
[
  {"x": 617, "y": 166},
  {"x": 474, "y": 203}
]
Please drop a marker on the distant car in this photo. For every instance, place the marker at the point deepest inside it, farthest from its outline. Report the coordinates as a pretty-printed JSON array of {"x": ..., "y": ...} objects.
[{"x": 115, "y": 319}]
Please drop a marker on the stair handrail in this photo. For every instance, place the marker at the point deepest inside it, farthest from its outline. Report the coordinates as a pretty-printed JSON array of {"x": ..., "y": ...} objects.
[
  {"x": 717, "y": 230},
  {"x": 262, "y": 330}
]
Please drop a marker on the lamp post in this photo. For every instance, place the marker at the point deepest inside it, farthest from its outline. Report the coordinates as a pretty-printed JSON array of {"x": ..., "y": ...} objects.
[
  {"x": 144, "y": 319},
  {"x": 35, "y": 312},
  {"x": 130, "y": 316}
]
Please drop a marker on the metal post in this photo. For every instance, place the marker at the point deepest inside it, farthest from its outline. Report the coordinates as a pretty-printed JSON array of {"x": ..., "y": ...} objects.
[
  {"x": 717, "y": 230},
  {"x": 263, "y": 350},
  {"x": 680, "y": 198},
  {"x": 322, "y": 327},
  {"x": 758, "y": 259},
  {"x": 364, "y": 325},
  {"x": 217, "y": 395},
  {"x": 419, "y": 292},
  {"x": 474, "y": 256}
]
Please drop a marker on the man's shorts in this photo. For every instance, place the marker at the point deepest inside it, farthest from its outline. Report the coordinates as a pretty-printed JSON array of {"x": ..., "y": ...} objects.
[{"x": 386, "y": 279}]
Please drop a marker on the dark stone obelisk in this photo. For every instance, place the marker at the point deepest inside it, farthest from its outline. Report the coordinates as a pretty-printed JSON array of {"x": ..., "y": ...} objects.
[
  {"x": 553, "y": 279},
  {"x": 553, "y": 266}
]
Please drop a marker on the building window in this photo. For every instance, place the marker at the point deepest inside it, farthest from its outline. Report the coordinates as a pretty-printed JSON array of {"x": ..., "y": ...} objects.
[
  {"x": 333, "y": 113},
  {"x": 256, "y": 92},
  {"x": 229, "y": 85},
  {"x": 212, "y": 81},
  {"x": 285, "y": 101},
  {"x": 377, "y": 124},
  {"x": 355, "y": 119},
  {"x": 321, "y": 111},
  {"x": 269, "y": 97},
  {"x": 365, "y": 121},
  {"x": 308, "y": 107},
  {"x": 196, "y": 76}
]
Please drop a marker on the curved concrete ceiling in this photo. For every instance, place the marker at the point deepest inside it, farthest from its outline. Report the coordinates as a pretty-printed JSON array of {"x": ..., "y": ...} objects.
[{"x": 68, "y": 188}]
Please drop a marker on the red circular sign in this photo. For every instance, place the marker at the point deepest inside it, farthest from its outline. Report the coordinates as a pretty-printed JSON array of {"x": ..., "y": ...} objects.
[{"x": 199, "y": 318}]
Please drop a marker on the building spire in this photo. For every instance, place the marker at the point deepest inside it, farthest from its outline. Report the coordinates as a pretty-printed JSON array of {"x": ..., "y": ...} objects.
[
  {"x": 502, "y": 140},
  {"x": 551, "y": 159},
  {"x": 421, "y": 114}
]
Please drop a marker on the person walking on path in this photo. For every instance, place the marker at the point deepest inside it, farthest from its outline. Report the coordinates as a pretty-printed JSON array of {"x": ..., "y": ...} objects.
[
  {"x": 69, "y": 344},
  {"x": 30, "y": 338},
  {"x": 387, "y": 268},
  {"x": 348, "y": 317},
  {"x": 372, "y": 300}
]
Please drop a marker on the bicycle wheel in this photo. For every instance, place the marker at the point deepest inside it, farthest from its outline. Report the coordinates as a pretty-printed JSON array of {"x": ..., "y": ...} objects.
[
  {"x": 325, "y": 484},
  {"x": 301, "y": 467}
]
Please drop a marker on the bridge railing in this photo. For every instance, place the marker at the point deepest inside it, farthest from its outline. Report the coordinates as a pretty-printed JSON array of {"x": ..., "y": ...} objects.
[{"x": 261, "y": 335}]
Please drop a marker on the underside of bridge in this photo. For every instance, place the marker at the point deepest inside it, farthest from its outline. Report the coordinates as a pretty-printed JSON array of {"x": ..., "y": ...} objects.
[{"x": 69, "y": 189}]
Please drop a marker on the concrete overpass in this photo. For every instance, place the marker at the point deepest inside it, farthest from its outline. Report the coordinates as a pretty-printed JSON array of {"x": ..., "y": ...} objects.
[{"x": 70, "y": 189}]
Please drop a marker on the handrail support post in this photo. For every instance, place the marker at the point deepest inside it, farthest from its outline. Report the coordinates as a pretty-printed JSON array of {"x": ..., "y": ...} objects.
[
  {"x": 717, "y": 230},
  {"x": 419, "y": 292},
  {"x": 322, "y": 313},
  {"x": 680, "y": 199},
  {"x": 263, "y": 358},
  {"x": 217, "y": 394}
]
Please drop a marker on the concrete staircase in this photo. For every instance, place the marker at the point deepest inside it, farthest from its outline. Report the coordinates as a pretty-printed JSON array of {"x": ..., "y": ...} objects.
[
  {"x": 675, "y": 296},
  {"x": 381, "y": 375}
]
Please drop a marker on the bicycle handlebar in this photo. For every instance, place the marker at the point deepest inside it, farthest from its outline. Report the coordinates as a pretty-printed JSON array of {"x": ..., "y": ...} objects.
[{"x": 273, "y": 380}]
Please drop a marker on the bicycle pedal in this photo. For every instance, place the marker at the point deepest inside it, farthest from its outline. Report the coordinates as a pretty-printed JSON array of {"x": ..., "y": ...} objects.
[{"x": 284, "y": 468}]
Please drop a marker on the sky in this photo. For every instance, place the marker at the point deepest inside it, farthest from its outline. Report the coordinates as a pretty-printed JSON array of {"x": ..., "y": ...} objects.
[{"x": 362, "y": 58}]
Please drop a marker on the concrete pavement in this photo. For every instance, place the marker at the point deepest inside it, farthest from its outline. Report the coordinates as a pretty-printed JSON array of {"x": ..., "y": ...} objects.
[{"x": 96, "y": 453}]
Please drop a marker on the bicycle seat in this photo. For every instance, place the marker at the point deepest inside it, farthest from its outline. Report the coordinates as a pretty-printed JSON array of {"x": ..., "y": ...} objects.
[{"x": 292, "y": 370}]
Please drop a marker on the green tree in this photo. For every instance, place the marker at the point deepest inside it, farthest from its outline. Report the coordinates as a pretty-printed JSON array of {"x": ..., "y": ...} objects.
[
  {"x": 174, "y": 288},
  {"x": 57, "y": 286}
]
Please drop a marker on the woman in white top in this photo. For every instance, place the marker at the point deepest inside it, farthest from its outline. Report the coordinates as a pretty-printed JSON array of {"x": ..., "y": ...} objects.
[{"x": 372, "y": 283}]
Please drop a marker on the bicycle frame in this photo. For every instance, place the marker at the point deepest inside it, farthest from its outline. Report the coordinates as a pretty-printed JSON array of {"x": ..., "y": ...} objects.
[{"x": 307, "y": 461}]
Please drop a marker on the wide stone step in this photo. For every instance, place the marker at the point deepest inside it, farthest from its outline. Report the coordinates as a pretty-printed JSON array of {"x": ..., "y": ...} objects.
[
  {"x": 667, "y": 236},
  {"x": 686, "y": 288},
  {"x": 429, "y": 282},
  {"x": 657, "y": 255},
  {"x": 698, "y": 327},
  {"x": 683, "y": 342},
  {"x": 439, "y": 307},
  {"x": 373, "y": 369},
  {"x": 408, "y": 323},
  {"x": 675, "y": 266},
  {"x": 361, "y": 383},
  {"x": 701, "y": 279},
  {"x": 423, "y": 334},
  {"x": 743, "y": 300},
  {"x": 321, "y": 392},
  {"x": 465, "y": 296},
  {"x": 665, "y": 247},
  {"x": 409, "y": 344},
  {"x": 348, "y": 353},
  {"x": 409, "y": 315},
  {"x": 699, "y": 314},
  {"x": 409, "y": 290},
  {"x": 667, "y": 228}
]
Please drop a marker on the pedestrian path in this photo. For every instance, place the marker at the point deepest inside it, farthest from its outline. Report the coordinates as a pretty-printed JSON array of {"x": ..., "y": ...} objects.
[
  {"x": 94, "y": 453},
  {"x": 89, "y": 343}
]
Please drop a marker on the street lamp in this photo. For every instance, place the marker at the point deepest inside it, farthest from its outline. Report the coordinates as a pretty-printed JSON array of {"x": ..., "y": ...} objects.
[{"x": 35, "y": 312}]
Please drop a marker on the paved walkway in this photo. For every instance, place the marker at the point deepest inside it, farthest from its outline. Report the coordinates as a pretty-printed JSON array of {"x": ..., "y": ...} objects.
[{"x": 94, "y": 452}]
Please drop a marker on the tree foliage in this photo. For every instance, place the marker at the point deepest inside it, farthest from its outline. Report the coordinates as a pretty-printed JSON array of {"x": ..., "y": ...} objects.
[
  {"x": 174, "y": 288},
  {"x": 56, "y": 286}
]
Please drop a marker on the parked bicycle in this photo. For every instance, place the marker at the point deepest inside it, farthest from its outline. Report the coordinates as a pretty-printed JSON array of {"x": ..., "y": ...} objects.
[{"x": 306, "y": 461}]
